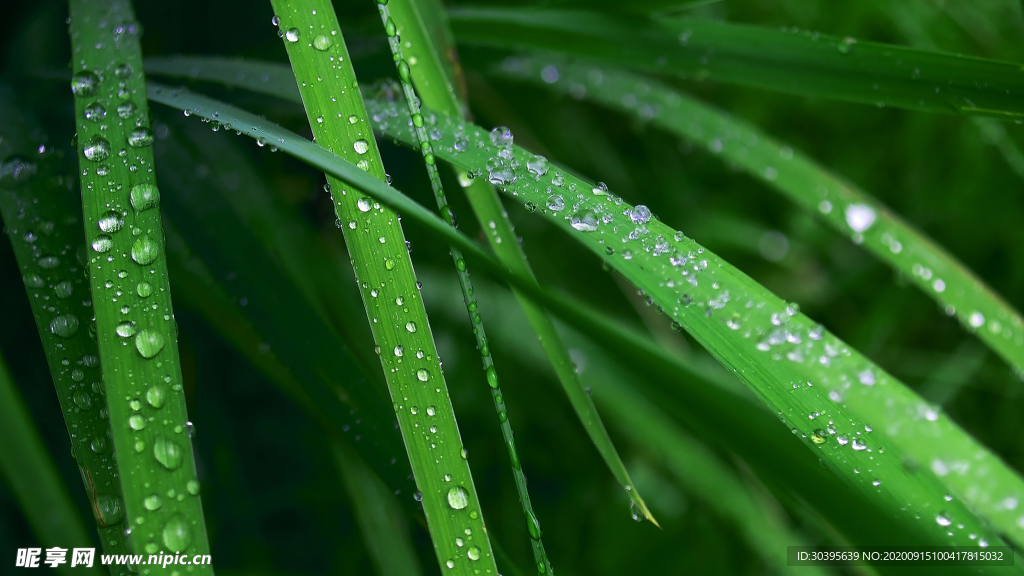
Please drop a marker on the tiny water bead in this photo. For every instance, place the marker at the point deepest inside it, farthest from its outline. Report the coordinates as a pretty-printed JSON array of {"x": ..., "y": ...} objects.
[
  {"x": 458, "y": 498},
  {"x": 410, "y": 326},
  {"x": 640, "y": 214},
  {"x": 168, "y": 453},
  {"x": 144, "y": 196},
  {"x": 473, "y": 553},
  {"x": 84, "y": 84},
  {"x": 64, "y": 325},
  {"x": 145, "y": 250},
  {"x": 111, "y": 221},
  {"x": 96, "y": 149},
  {"x": 819, "y": 436},
  {"x": 860, "y": 217},
  {"x": 363, "y": 204},
  {"x": 125, "y": 329},
  {"x": 422, "y": 375},
  {"x": 149, "y": 343},
  {"x": 144, "y": 289},
  {"x": 136, "y": 422},
  {"x": 292, "y": 35},
  {"x": 152, "y": 502}
]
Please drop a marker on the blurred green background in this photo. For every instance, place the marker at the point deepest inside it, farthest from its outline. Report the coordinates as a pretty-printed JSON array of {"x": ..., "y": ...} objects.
[{"x": 272, "y": 495}]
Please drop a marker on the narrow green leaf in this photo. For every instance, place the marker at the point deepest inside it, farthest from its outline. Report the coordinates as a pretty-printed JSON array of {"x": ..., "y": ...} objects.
[
  {"x": 373, "y": 234},
  {"x": 27, "y": 468},
  {"x": 837, "y": 202},
  {"x": 801, "y": 63},
  {"x": 436, "y": 91},
  {"x": 42, "y": 216},
  {"x": 384, "y": 529},
  {"x": 917, "y": 454},
  {"x": 131, "y": 301}
]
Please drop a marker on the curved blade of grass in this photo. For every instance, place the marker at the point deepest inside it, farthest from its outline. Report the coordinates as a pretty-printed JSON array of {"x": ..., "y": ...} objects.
[
  {"x": 27, "y": 468},
  {"x": 834, "y": 200},
  {"x": 373, "y": 234},
  {"x": 321, "y": 374},
  {"x": 436, "y": 91},
  {"x": 380, "y": 519},
  {"x": 801, "y": 63},
  {"x": 128, "y": 273},
  {"x": 912, "y": 437},
  {"x": 42, "y": 216},
  {"x": 696, "y": 468}
]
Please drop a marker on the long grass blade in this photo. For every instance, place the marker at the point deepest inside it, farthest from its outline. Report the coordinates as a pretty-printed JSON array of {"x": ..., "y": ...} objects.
[
  {"x": 801, "y": 63},
  {"x": 27, "y": 468},
  {"x": 128, "y": 275},
  {"x": 42, "y": 216},
  {"x": 375, "y": 240},
  {"x": 831, "y": 198},
  {"x": 697, "y": 469},
  {"x": 436, "y": 87},
  {"x": 843, "y": 388}
]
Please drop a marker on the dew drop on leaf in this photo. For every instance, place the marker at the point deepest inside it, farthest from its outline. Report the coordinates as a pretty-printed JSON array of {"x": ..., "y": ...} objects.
[
  {"x": 144, "y": 196},
  {"x": 458, "y": 498},
  {"x": 167, "y": 452},
  {"x": 149, "y": 343},
  {"x": 176, "y": 535}
]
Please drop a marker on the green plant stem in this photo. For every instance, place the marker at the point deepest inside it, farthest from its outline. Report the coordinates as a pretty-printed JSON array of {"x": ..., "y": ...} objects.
[
  {"x": 131, "y": 299},
  {"x": 436, "y": 88},
  {"x": 336, "y": 113},
  {"x": 42, "y": 214},
  {"x": 27, "y": 468},
  {"x": 423, "y": 142}
]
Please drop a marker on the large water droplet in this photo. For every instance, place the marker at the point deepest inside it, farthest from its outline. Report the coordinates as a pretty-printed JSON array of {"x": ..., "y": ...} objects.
[
  {"x": 176, "y": 535},
  {"x": 136, "y": 422},
  {"x": 322, "y": 42},
  {"x": 292, "y": 35},
  {"x": 422, "y": 375},
  {"x": 126, "y": 329},
  {"x": 95, "y": 112},
  {"x": 145, "y": 250},
  {"x": 458, "y": 498},
  {"x": 102, "y": 243},
  {"x": 533, "y": 525},
  {"x": 555, "y": 203},
  {"x": 410, "y": 326},
  {"x": 144, "y": 289},
  {"x": 140, "y": 137},
  {"x": 640, "y": 214},
  {"x": 144, "y": 197},
  {"x": 65, "y": 325},
  {"x": 64, "y": 289},
  {"x": 96, "y": 149},
  {"x": 363, "y": 204},
  {"x": 473, "y": 553},
  {"x": 492, "y": 377},
  {"x": 84, "y": 83},
  {"x": 152, "y": 502},
  {"x": 108, "y": 510},
  {"x": 860, "y": 217},
  {"x": 501, "y": 137},
  {"x": 149, "y": 343},
  {"x": 126, "y": 110},
  {"x": 360, "y": 146},
  {"x": 111, "y": 221},
  {"x": 156, "y": 396},
  {"x": 168, "y": 453}
]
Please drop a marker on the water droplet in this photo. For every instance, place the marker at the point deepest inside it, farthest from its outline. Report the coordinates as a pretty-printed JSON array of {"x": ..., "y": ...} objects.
[
  {"x": 156, "y": 396},
  {"x": 322, "y": 42},
  {"x": 819, "y": 436},
  {"x": 126, "y": 329},
  {"x": 640, "y": 214},
  {"x": 65, "y": 325},
  {"x": 360, "y": 146},
  {"x": 126, "y": 110},
  {"x": 98, "y": 445},
  {"x": 111, "y": 221},
  {"x": 145, "y": 250},
  {"x": 976, "y": 319},
  {"x": 84, "y": 83},
  {"x": 149, "y": 343},
  {"x": 431, "y": 410},
  {"x": 450, "y": 563},
  {"x": 492, "y": 377},
  {"x": 64, "y": 289},
  {"x": 123, "y": 71},
  {"x": 473, "y": 553},
  {"x": 410, "y": 326},
  {"x": 192, "y": 486},
  {"x": 292, "y": 35},
  {"x": 144, "y": 196},
  {"x": 176, "y": 535},
  {"x": 458, "y": 498},
  {"x": 152, "y": 502},
  {"x": 95, "y": 112},
  {"x": 136, "y": 422},
  {"x": 501, "y": 137},
  {"x": 943, "y": 519},
  {"x": 585, "y": 221},
  {"x": 108, "y": 510},
  {"x": 96, "y": 149},
  {"x": 102, "y": 243},
  {"x": 144, "y": 289},
  {"x": 140, "y": 137},
  {"x": 422, "y": 375},
  {"x": 533, "y": 525},
  {"x": 860, "y": 217},
  {"x": 167, "y": 452},
  {"x": 845, "y": 46},
  {"x": 363, "y": 204},
  {"x": 83, "y": 400}
]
